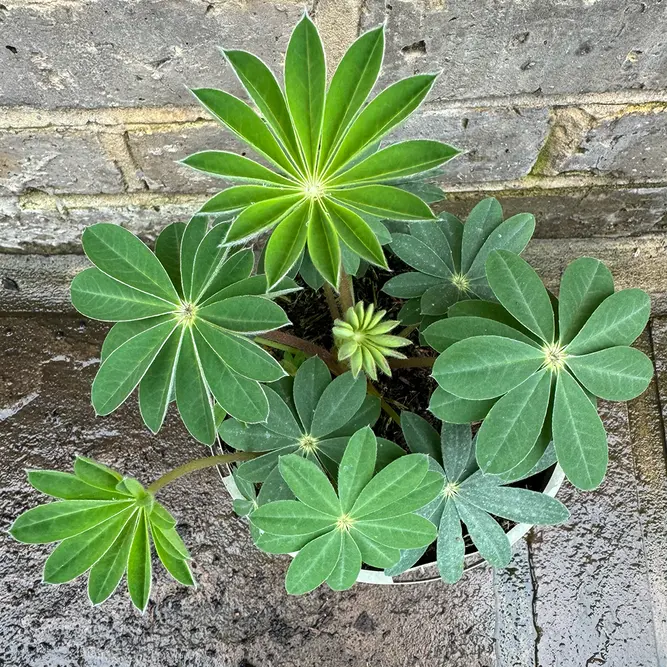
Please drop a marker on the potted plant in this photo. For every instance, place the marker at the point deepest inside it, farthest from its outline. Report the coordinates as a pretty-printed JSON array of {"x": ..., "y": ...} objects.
[{"x": 309, "y": 424}]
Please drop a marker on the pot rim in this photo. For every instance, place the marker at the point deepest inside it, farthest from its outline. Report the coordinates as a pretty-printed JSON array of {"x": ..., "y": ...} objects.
[{"x": 427, "y": 572}]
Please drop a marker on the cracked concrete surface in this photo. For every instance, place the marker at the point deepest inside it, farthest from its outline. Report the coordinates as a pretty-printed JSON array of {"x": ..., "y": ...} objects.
[{"x": 591, "y": 592}]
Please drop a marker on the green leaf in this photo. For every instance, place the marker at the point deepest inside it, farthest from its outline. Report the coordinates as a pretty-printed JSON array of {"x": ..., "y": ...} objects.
[
  {"x": 139, "y": 569},
  {"x": 234, "y": 167},
  {"x": 437, "y": 300},
  {"x": 96, "y": 295},
  {"x": 314, "y": 563},
  {"x": 242, "y": 121},
  {"x": 310, "y": 381},
  {"x": 355, "y": 233},
  {"x": 286, "y": 243},
  {"x": 305, "y": 85},
  {"x": 457, "y": 451},
  {"x": 410, "y": 313},
  {"x": 391, "y": 484},
  {"x": 351, "y": 84},
  {"x": 323, "y": 248},
  {"x": 520, "y": 290},
  {"x": 69, "y": 487},
  {"x": 156, "y": 387},
  {"x": 121, "y": 255},
  {"x": 430, "y": 233},
  {"x": 585, "y": 284},
  {"x": 486, "y": 534},
  {"x": 192, "y": 237},
  {"x": 75, "y": 555},
  {"x": 450, "y": 546},
  {"x": 618, "y": 320},
  {"x": 407, "y": 531},
  {"x": 422, "y": 495},
  {"x": 290, "y": 517},
  {"x": 192, "y": 398},
  {"x": 450, "y": 408},
  {"x": 520, "y": 505},
  {"x": 444, "y": 333},
  {"x": 309, "y": 484},
  {"x": 348, "y": 566},
  {"x": 512, "y": 235},
  {"x": 579, "y": 436},
  {"x": 615, "y": 374},
  {"x": 489, "y": 310},
  {"x": 107, "y": 572},
  {"x": 168, "y": 251},
  {"x": 261, "y": 85},
  {"x": 171, "y": 540},
  {"x": 397, "y": 161},
  {"x": 281, "y": 544},
  {"x": 410, "y": 285},
  {"x": 260, "y": 216},
  {"x": 239, "y": 197},
  {"x": 452, "y": 228},
  {"x": 481, "y": 221},
  {"x": 245, "y": 314},
  {"x": 124, "y": 367},
  {"x": 513, "y": 425},
  {"x": 242, "y": 398},
  {"x": 373, "y": 553},
  {"x": 356, "y": 467},
  {"x": 209, "y": 262},
  {"x": 367, "y": 414},
  {"x": 58, "y": 521},
  {"x": 121, "y": 332},
  {"x": 485, "y": 366},
  {"x": 338, "y": 404},
  {"x": 243, "y": 356},
  {"x": 384, "y": 201},
  {"x": 96, "y": 474},
  {"x": 388, "y": 109},
  {"x": 419, "y": 256},
  {"x": 281, "y": 419},
  {"x": 177, "y": 567},
  {"x": 421, "y": 437},
  {"x": 308, "y": 272},
  {"x": 260, "y": 468}
]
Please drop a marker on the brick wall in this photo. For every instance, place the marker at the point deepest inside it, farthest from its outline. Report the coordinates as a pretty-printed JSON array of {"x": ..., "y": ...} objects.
[{"x": 559, "y": 105}]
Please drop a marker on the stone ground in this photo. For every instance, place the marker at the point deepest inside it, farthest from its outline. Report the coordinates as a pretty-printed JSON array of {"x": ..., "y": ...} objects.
[{"x": 590, "y": 593}]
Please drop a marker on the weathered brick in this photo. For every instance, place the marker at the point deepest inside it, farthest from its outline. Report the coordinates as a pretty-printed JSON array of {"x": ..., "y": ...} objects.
[
  {"x": 156, "y": 153},
  {"x": 55, "y": 161},
  {"x": 632, "y": 146},
  {"x": 577, "y": 212},
  {"x": 498, "y": 143},
  {"x": 492, "y": 48},
  {"x": 118, "y": 53}
]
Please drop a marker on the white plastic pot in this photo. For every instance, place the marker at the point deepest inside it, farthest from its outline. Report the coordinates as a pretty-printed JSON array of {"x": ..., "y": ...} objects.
[{"x": 428, "y": 571}]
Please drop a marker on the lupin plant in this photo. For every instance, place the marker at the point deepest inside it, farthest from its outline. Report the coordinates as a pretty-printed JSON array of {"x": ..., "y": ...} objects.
[{"x": 197, "y": 324}]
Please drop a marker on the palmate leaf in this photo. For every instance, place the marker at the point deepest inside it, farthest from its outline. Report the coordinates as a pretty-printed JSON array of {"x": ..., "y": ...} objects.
[
  {"x": 195, "y": 349},
  {"x": 526, "y": 390},
  {"x": 471, "y": 498},
  {"x": 315, "y": 424},
  {"x": 368, "y": 521},
  {"x": 449, "y": 258},
  {"x": 331, "y": 184},
  {"x": 103, "y": 525}
]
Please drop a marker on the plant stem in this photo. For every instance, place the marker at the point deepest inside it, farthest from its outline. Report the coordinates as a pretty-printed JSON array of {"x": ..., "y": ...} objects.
[
  {"x": 346, "y": 291},
  {"x": 260, "y": 340},
  {"x": 331, "y": 301},
  {"x": 198, "y": 464},
  {"x": 407, "y": 331},
  {"x": 383, "y": 404},
  {"x": 311, "y": 349},
  {"x": 412, "y": 362}
]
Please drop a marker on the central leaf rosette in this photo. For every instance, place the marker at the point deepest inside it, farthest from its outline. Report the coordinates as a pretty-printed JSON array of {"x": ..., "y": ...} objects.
[{"x": 327, "y": 179}]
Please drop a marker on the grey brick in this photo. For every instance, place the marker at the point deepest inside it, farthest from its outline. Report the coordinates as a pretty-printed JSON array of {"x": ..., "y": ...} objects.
[
  {"x": 499, "y": 143},
  {"x": 492, "y": 48},
  {"x": 118, "y": 53},
  {"x": 578, "y": 213},
  {"x": 157, "y": 152},
  {"x": 632, "y": 147},
  {"x": 55, "y": 161}
]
